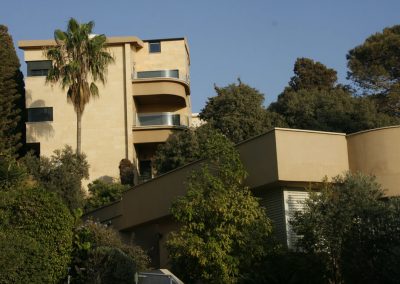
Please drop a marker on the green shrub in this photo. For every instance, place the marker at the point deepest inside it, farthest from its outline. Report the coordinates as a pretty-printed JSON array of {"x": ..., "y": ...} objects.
[
  {"x": 108, "y": 265},
  {"x": 93, "y": 242},
  {"x": 62, "y": 173},
  {"x": 36, "y": 236},
  {"x": 103, "y": 193}
]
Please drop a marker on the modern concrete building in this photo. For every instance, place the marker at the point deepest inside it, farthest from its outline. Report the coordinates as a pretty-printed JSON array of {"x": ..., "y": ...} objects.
[
  {"x": 281, "y": 164},
  {"x": 145, "y": 99}
]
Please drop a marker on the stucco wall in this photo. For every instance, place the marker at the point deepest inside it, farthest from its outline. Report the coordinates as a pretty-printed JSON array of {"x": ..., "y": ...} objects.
[
  {"x": 377, "y": 152},
  {"x": 107, "y": 122},
  {"x": 309, "y": 156},
  {"x": 103, "y": 121},
  {"x": 173, "y": 55}
]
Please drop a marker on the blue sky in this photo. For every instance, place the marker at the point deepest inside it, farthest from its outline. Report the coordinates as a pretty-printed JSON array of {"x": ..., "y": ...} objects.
[{"x": 255, "y": 40}]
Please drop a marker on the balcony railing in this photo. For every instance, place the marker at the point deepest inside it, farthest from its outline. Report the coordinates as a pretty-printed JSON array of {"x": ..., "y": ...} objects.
[
  {"x": 163, "y": 118},
  {"x": 160, "y": 74}
]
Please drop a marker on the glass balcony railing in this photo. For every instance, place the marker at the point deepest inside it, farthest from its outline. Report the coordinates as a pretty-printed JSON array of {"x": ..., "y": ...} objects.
[
  {"x": 163, "y": 118},
  {"x": 160, "y": 74}
]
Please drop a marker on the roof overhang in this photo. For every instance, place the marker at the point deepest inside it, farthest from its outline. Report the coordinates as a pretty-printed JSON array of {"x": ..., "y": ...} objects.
[{"x": 28, "y": 44}]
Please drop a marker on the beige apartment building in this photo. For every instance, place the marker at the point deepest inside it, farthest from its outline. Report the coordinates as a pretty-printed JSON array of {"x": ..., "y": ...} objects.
[{"x": 146, "y": 99}]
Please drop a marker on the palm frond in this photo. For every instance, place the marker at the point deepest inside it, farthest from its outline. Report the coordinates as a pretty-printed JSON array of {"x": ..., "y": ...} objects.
[{"x": 78, "y": 61}]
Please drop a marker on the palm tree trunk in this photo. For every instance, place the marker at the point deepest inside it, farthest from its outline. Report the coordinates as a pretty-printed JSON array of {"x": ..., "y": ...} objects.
[{"x": 78, "y": 132}]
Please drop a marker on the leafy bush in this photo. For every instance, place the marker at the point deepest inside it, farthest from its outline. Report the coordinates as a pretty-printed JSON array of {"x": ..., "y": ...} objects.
[
  {"x": 289, "y": 267},
  {"x": 110, "y": 265},
  {"x": 35, "y": 236},
  {"x": 62, "y": 173},
  {"x": 103, "y": 193},
  {"x": 353, "y": 230},
  {"x": 237, "y": 111},
  {"x": 94, "y": 241},
  {"x": 224, "y": 231},
  {"x": 126, "y": 172},
  {"x": 12, "y": 173}
]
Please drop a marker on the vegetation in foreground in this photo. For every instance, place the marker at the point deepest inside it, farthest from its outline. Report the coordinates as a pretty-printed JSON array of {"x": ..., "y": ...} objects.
[
  {"x": 353, "y": 230},
  {"x": 224, "y": 229},
  {"x": 41, "y": 235}
]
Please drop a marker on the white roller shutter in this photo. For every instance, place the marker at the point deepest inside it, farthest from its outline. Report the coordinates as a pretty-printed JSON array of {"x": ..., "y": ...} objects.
[{"x": 293, "y": 201}]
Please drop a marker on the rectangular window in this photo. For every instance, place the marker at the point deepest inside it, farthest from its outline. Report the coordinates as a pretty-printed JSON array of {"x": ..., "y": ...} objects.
[
  {"x": 38, "y": 68},
  {"x": 293, "y": 201},
  {"x": 40, "y": 114},
  {"x": 154, "y": 47},
  {"x": 158, "y": 74}
]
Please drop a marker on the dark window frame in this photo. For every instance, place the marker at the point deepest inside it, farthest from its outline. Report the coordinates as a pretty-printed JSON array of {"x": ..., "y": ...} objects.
[
  {"x": 156, "y": 45},
  {"x": 38, "y": 68},
  {"x": 34, "y": 114}
]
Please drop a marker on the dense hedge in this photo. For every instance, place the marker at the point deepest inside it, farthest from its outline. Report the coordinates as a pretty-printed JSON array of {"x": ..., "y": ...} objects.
[{"x": 35, "y": 236}]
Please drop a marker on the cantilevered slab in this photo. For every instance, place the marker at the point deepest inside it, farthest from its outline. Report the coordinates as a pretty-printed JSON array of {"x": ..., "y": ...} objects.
[{"x": 30, "y": 44}]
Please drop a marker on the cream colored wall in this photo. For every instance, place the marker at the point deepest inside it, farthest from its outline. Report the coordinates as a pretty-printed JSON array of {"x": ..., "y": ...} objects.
[
  {"x": 377, "y": 152},
  {"x": 310, "y": 155},
  {"x": 107, "y": 122},
  {"x": 150, "y": 134},
  {"x": 103, "y": 121},
  {"x": 143, "y": 87},
  {"x": 172, "y": 56},
  {"x": 259, "y": 157}
]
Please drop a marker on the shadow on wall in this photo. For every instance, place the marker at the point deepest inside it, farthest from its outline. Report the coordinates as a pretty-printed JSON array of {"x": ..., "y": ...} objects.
[{"x": 35, "y": 130}]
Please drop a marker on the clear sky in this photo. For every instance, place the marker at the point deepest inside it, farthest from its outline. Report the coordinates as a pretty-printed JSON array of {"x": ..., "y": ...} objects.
[{"x": 255, "y": 40}]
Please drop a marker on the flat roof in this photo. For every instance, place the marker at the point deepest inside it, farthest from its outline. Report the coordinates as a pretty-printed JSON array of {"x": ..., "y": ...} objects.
[
  {"x": 164, "y": 39},
  {"x": 25, "y": 44}
]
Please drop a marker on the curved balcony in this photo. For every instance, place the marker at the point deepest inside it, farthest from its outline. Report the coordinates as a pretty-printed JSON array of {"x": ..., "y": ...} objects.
[
  {"x": 157, "y": 127},
  {"x": 160, "y": 82}
]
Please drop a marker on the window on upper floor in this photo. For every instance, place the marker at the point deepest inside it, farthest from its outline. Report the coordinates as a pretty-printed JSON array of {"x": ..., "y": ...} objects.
[
  {"x": 154, "y": 46},
  {"x": 39, "y": 114},
  {"x": 38, "y": 68}
]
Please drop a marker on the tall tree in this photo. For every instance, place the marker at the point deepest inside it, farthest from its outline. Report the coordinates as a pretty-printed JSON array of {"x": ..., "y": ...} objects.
[
  {"x": 352, "y": 229},
  {"x": 313, "y": 100},
  {"x": 182, "y": 148},
  {"x": 79, "y": 60},
  {"x": 224, "y": 230},
  {"x": 375, "y": 67},
  {"x": 309, "y": 74},
  {"x": 11, "y": 96},
  {"x": 237, "y": 111}
]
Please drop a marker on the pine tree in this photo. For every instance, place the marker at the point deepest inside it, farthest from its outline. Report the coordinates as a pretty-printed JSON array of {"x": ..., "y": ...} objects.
[{"x": 11, "y": 96}]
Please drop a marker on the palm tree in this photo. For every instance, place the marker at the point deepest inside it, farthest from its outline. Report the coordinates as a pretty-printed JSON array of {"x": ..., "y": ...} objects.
[{"x": 79, "y": 59}]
